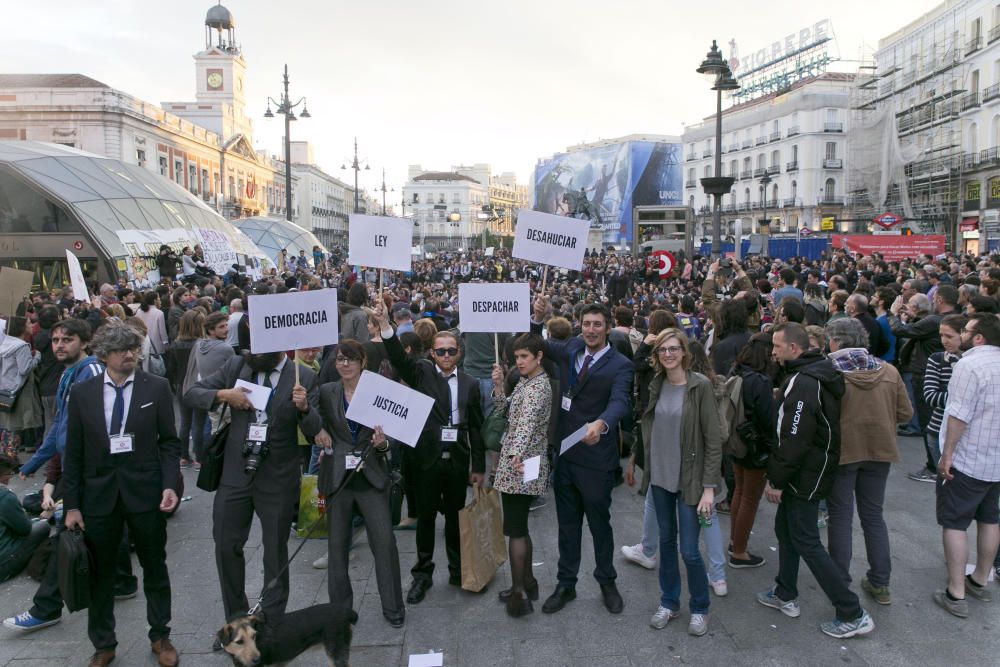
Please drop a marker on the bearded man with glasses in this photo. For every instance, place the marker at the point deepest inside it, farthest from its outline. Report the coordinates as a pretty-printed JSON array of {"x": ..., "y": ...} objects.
[{"x": 449, "y": 453}]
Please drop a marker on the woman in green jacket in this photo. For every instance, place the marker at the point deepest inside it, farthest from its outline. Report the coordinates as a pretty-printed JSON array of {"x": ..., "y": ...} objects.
[{"x": 681, "y": 425}]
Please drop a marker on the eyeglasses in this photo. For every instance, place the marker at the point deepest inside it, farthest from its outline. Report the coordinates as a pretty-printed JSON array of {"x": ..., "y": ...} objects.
[
  {"x": 343, "y": 361},
  {"x": 442, "y": 351},
  {"x": 673, "y": 349}
]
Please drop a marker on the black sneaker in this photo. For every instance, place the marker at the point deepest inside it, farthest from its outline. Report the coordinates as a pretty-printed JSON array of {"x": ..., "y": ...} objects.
[
  {"x": 923, "y": 475},
  {"x": 744, "y": 563}
]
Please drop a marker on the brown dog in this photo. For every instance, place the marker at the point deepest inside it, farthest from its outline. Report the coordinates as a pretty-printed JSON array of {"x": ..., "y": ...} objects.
[{"x": 252, "y": 642}]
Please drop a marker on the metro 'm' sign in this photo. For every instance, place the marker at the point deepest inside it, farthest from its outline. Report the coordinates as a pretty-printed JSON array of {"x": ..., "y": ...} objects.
[{"x": 887, "y": 220}]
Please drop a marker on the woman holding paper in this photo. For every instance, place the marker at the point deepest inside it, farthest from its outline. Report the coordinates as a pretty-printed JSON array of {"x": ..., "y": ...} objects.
[
  {"x": 523, "y": 466},
  {"x": 352, "y": 447},
  {"x": 683, "y": 448}
]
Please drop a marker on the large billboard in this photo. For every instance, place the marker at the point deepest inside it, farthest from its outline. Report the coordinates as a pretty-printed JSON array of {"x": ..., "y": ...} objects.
[{"x": 602, "y": 184}]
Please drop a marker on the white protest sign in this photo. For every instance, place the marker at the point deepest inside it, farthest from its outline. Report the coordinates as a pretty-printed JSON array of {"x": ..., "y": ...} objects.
[
  {"x": 494, "y": 306},
  {"x": 489, "y": 251},
  {"x": 76, "y": 278},
  {"x": 399, "y": 410},
  {"x": 381, "y": 242},
  {"x": 292, "y": 321},
  {"x": 551, "y": 239}
]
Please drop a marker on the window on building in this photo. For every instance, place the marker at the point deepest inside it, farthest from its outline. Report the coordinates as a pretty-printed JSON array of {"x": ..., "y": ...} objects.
[
  {"x": 734, "y": 168},
  {"x": 691, "y": 174},
  {"x": 193, "y": 177},
  {"x": 746, "y": 195},
  {"x": 441, "y": 198},
  {"x": 831, "y": 150},
  {"x": 416, "y": 198},
  {"x": 829, "y": 190},
  {"x": 179, "y": 172},
  {"x": 204, "y": 181},
  {"x": 747, "y": 164},
  {"x": 140, "y": 157},
  {"x": 795, "y": 153},
  {"x": 761, "y": 161},
  {"x": 708, "y": 171},
  {"x": 972, "y": 146},
  {"x": 976, "y": 29},
  {"x": 795, "y": 190},
  {"x": 774, "y": 192},
  {"x": 231, "y": 190},
  {"x": 775, "y": 158},
  {"x": 776, "y": 126},
  {"x": 163, "y": 166}
]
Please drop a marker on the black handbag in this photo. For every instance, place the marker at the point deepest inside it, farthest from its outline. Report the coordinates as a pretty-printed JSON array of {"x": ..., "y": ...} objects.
[
  {"x": 74, "y": 570},
  {"x": 396, "y": 493},
  {"x": 211, "y": 464}
]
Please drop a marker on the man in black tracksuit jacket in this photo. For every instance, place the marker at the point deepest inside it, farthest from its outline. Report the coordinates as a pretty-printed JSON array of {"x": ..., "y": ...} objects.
[{"x": 800, "y": 473}]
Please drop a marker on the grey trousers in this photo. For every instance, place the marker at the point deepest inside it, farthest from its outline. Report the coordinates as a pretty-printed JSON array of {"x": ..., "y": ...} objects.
[
  {"x": 863, "y": 482},
  {"x": 374, "y": 507}
]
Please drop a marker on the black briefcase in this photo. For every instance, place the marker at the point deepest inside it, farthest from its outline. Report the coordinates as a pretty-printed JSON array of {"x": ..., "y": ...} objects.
[{"x": 75, "y": 570}]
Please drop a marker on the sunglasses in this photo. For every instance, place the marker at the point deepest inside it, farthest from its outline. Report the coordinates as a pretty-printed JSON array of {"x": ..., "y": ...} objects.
[{"x": 442, "y": 351}]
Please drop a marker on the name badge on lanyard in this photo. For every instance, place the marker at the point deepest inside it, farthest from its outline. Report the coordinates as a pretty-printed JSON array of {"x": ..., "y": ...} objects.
[
  {"x": 567, "y": 402},
  {"x": 257, "y": 433},
  {"x": 449, "y": 434},
  {"x": 121, "y": 444},
  {"x": 351, "y": 462}
]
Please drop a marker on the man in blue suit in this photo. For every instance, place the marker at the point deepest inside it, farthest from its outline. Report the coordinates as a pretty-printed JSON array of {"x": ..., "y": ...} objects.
[{"x": 596, "y": 389}]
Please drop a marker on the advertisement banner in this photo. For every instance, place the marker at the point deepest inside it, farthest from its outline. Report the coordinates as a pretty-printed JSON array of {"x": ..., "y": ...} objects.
[
  {"x": 892, "y": 248},
  {"x": 603, "y": 184}
]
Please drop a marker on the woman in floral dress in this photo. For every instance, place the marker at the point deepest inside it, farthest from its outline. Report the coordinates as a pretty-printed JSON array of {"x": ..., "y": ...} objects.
[{"x": 527, "y": 411}]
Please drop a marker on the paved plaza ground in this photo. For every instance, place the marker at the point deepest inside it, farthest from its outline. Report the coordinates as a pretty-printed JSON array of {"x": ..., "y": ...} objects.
[{"x": 474, "y": 630}]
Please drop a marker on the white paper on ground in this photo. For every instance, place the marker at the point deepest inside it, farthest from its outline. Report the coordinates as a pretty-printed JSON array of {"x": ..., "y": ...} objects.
[
  {"x": 426, "y": 660},
  {"x": 572, "y": 439},
  {"x": 532, "y": 467},
  {"x": 257, "y": 394}
]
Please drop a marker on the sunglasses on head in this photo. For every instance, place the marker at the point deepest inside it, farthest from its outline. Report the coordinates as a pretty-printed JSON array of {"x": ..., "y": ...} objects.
[{"x": 442, "y": 351}]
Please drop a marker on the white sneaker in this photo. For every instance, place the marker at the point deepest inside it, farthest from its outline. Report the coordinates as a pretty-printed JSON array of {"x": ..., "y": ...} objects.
[
  {"x": 321, "y": 562},
  {"x": 698, "y": 625},
  {"x": 662, "y": 617},
  {"x": 719, "y": 587},
  {"x": 634, "y": 554}
]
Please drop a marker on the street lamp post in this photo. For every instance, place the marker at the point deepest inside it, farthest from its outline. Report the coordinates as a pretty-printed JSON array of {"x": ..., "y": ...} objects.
[
  {"x": 356, "y": 166},
  {"x": 716, "y": 68},
  {"x": 286, "y": 108},
  {"x": 384, "y": 190},
  {"x": 764, "y": 182}
]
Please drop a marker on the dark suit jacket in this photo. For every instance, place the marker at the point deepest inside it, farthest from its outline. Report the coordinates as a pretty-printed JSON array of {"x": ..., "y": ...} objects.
[
  {"x": 332, "y": 469},
  {"x": 94, "y": 478},
  {"x": 603, "y": 393},
  {"x": 423, "y": 376},
  {"x": 279, "y": 472}
]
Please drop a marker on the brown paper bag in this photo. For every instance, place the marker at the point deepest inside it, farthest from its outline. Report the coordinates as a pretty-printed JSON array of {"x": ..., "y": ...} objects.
[{"x": 480, "y": 525}]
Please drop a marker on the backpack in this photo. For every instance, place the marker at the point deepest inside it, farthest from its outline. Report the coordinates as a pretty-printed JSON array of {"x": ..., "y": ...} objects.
[
  {"x": 690, "y": 326},
  {"x": 732, "y": 415}
]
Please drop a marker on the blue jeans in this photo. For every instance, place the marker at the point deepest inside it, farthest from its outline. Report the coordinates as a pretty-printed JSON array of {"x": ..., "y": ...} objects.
[
  {"x": 912, "y": 426},
  {"x": 712, "y": 536},
  {"x": 674, "y": 516},
  {"x": 486, "y": 395},
  {"x": 863, "y": 482}
]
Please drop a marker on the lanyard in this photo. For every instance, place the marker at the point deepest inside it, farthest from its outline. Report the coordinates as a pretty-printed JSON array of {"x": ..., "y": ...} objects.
[{"x": 354, "y": 426}]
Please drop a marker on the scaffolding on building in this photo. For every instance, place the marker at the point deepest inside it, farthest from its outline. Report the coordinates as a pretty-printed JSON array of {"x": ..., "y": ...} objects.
[{"x": 905, "y": 145}]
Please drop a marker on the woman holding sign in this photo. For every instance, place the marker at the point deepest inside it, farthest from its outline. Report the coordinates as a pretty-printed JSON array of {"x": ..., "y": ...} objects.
[
  {"x": 523, "y": 466},
  {"x": 349, "y": 446}
]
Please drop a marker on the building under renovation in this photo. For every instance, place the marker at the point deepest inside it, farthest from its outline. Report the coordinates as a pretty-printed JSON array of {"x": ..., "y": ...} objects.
[{"x": 925, "y": 126}]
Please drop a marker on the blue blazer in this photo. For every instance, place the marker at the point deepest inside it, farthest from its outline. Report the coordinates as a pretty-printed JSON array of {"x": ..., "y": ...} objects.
[{"x": 604, "y": 392}]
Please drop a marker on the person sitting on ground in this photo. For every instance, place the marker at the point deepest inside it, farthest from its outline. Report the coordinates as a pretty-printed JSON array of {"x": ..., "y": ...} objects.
[{"x": 19, "y": 537}]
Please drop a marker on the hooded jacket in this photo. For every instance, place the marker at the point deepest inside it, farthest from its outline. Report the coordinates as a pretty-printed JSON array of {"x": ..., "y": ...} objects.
[
  {"x": 207, "y": 356},
  {"x": 807, "y": 452},
  {"x": 875, "y": 400}
]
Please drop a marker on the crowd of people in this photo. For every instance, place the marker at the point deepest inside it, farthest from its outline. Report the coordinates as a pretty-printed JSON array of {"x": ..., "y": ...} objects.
[{"x": 713, "y": 387}]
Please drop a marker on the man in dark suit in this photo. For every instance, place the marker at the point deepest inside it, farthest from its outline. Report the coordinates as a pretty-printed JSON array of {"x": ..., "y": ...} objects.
[
  {"x": 122, "y": 464},
  {"x": 596, "y": 389},
  {"x": 261, "y": 473},
  {"x": 450, "y": 442}
]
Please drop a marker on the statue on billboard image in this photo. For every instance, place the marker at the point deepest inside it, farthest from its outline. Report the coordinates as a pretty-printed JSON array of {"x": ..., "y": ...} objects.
[{"x": 581, "y": 207}]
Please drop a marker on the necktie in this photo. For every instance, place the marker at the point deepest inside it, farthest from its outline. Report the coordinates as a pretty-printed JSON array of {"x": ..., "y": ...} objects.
[
  {"x": 586, "y": 366},
  {"x": 118, "y": 409}
]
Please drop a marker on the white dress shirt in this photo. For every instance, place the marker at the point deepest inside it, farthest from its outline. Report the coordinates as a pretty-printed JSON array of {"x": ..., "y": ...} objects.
[
  {"x": 275, "y": 375},
  {"x": 596, "y": 355},
  {"x": 109, "y": 399},
  {"x": 453, "y": 386}
]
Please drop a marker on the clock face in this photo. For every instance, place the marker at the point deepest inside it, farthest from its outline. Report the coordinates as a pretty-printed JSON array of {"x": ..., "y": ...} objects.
[{"x": 215, "y": 80}]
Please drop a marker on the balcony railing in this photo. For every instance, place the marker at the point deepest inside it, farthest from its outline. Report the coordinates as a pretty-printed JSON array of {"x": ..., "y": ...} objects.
[
  {"x": 791, "y": 202},
  {"x": 994, "y": 34},
  {"x": 733, "y": 148},
  {"x": 688, "y": 185},
  {"x": 746, "y": 174},
  {"x": 833, "y": 127},
  {"x": 772, "y": 170},
  {"x": 707, "y": 153},
  {"x": 691, "y": 156},
  {"x": 792, "y": 166},
  {"x": 970, "y": 161},
  {"x": 793, "y": 130},
  {"x": 991, "y": 93},
  {"x": 761, "y": 141},
  {"x": 757, "y": 173},
  {"x": 775, "y": 136},
  {"x": 989, "y": 156},
  {"x": 830, "y": 200},
  {"x": 974, "y": 45},
  {"x": 833, "y": 163},
  {"x": 970, "y": 101},
  {"x": 744, "y": 206},
  {"x": 746, "y": 143},
  {"x": 729, "y": 208},
  {"x": 772, "y": 203}
]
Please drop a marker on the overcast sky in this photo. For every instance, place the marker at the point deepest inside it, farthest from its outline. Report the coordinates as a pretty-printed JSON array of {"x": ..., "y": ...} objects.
[{"x": 439, "y": 82}]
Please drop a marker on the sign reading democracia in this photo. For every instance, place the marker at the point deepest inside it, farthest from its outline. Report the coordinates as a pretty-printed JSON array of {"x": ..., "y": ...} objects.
[{"x": 292, "y": 321}]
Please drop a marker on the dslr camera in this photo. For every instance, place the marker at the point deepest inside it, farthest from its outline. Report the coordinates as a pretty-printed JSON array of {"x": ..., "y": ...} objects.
[{"x": 254, "y": 452}]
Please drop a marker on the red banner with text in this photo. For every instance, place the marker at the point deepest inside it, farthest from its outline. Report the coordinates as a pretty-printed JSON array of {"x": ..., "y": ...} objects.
[{"x": 892, "y": 248}]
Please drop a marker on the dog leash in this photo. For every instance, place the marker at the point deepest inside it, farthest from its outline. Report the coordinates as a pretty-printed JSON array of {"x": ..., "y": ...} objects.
[{"x": 274, "y": 582}]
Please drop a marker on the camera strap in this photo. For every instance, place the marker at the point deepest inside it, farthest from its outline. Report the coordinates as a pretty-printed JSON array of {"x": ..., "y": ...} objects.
[{"x": 277, "y": 578}]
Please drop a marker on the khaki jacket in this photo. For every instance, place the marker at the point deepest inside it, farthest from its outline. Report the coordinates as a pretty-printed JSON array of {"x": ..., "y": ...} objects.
[
  {"x": 875, "y": 401},
  {"x": 701, "y": 436}
]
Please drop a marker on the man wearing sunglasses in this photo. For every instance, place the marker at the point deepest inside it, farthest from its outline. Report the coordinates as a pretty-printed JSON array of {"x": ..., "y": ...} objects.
[
  {"x": 596, "y": 386},
  {"x": 449, "y": 453}
]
